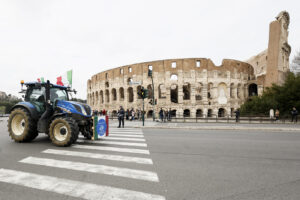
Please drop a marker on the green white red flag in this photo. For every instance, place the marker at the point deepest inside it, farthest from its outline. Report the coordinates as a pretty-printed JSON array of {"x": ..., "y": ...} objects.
[
  {"x": 41, "y": 80},
  {"x": 66, "y": 79}
]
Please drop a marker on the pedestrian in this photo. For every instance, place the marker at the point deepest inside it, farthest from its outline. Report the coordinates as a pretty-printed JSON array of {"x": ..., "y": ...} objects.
[
  {"x": 271, "y": 113},
  {"x": 277, "y": 115},
  {"x": 294, "y": 115},
  {"x": 121, "y": 114},
  {"x": 127, "y": 114},
  {"x": 237, "y": 115},
  {"x": 132, "y": 115},
  {"x": 165, "y": 115},
  {"x": 104, "y": 112},
  {"x": 169, "y": 115},
  {"x": 161, "y": 114}
]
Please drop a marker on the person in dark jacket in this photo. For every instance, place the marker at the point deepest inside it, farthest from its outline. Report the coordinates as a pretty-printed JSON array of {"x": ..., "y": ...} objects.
[
  {"x": 161, "y": 114},
  {"x": 121, "y": 114},
  {"x": 294, "y": 115},
  {"x": 237, "y": 115}
]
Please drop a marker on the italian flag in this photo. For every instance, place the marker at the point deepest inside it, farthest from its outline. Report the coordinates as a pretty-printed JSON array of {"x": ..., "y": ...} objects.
[
  {"x": 41, "y": 80},
  {"x": 66, "y": 79}
]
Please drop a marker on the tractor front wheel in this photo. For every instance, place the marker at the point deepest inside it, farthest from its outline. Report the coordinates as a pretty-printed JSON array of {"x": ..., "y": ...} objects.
[
  {"x": 63, "y": 131},
  {"x": 21, "y": 126}
]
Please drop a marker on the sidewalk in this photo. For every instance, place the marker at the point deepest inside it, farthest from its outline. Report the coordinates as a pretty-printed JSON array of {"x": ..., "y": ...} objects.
[{"x": 211, "y": 126}]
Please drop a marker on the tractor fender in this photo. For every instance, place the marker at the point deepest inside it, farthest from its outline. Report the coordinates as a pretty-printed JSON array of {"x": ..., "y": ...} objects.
[
  {"x": 55, "y": 115},
  {"x": 29, "y": 107}
]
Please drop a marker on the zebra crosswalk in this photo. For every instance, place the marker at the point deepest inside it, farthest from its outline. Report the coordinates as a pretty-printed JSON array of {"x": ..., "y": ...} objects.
[{"x": 122, "y": 146}]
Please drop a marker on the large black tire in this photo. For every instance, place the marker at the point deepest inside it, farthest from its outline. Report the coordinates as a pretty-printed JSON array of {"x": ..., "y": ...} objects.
[
  {"x": 21, "y": 126},
  {"x": 63, "y": 131}
]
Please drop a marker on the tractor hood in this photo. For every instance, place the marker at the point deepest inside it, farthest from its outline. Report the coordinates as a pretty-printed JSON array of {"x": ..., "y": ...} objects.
[{"x": 73, "y": 107}]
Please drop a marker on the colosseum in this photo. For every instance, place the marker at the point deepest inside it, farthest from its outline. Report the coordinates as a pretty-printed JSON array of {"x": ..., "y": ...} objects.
[{"x": 194, "y": 87}]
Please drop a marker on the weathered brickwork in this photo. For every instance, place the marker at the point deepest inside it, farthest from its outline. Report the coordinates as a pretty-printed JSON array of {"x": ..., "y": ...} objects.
[{"x": 193, "y": 86}]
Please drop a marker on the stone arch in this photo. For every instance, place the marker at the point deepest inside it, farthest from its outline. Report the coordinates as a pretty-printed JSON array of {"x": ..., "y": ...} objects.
[
  {"x": 149, "y": 114},
  {"x": 107, "y": 84},
  {"x": 239, "y": 91},
  {"x": 114, "y": 94},
  {"x": 149, "y": 88},
  {"x": 101, "y": 97},
  {"x": 186, "y": 89},
  {"x": 232, "y": 90},
  {"x": 93, "y": 99},
  {"x": 252, "y": 90},
  {"x": 162, "y": 91},
  {"x": 222, "y": 93},
  {"x": 130, "y": 94},
  {"x": 114, "y": 113},
  {"x": 174, "y": 77},
  {"x": 174, "y": 93},
  {"x": 209, "y": 90},
  {"x": 129, "y": 80},
  {"x": 107, "y": 96},
  {"x": 173, "y": 113},
  {"x": 97, "y": 98},
  {"x": 221, "y": 112},
  {"x": 186, "y": 113},
  {"x": 199, "y": 88},
  {"x": 121, "y": 94},
  {"x": 209, "y": 113},
  {"x": 199, "y": 113}
]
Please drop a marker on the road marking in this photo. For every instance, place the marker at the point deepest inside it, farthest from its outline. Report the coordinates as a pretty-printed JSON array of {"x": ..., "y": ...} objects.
[
  {"x": 101, "y": 148},
  {"x": 125, "y": 135},
  {"x": 100, "y": 156},
  {"x": 126, "y": 132},
  {"x": 100, "y": 169},
  {"x": 72, "y": 188},
  {"x": 120, "y": 138},
  {"x": 112, "y": 142}
]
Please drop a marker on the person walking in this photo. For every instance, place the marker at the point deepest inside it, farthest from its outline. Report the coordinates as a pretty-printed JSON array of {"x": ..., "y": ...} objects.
[
  {"x": 237, "y": 115},
  {"x": 271, "y": 113},
  {"x": 121, "y": 114},
  {"x": 127, "y": 114},
  {"x": 294, "y": 115},
  {"x": 161, "y": 114},
  {"x": 277, "y": 115}
]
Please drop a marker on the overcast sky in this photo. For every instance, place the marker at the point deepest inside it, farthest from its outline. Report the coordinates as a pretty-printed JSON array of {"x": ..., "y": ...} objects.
[{"x": 45, "y": 38}]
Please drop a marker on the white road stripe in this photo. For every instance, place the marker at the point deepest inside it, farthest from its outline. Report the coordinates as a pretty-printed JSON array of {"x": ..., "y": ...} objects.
[
  {"x": 127, "y": 132},
  {"x": 125, "y": 135},
  {"x": 100, "y": 156},
  {"x": 125, "y": 139},
  {"x": 100, "y": 169},
  {"x": 101, "y": 148},
  {"x": 120, "y": 138},
  {"x": 112, "y": 142},
  {"x": 72, "y": 188}
]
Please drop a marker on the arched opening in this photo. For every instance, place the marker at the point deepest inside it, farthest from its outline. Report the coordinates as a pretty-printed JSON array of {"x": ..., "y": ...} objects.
[
  {"x": 114, "y": 94},
  {"x": 231, "y": 112},
  {"x": 93, "y": 99},
  {"x": 121, "y": 94},
  {"x": 199, "y": 113},
  {"x": 221, "y": 112},
  {"x": 130, "y": 94},
  {"x": 252, "y": 90},
  {"x": 97, "y": 98},
  {"x": 107, "y": 96},
  {"x": 174, "y": 77},
  {"x": 114, "y": 113},
  {"x": 107, "y": 84},
  {"x": 101, "y": 97},
  {"x": 232, "y": 90},
  {"x": 161, "y": 91},
  {"x": 222, "y": 93},
  {"x": 139, "y": 91},
  {"x": 173, "y": 113},
  {"x": 186, "y": 113},
  {"x": 174, "y": 93},
  {"x": 129, "y": 81},
  {"x": 198, "y": 95},
  {"x": 150, "y": 95},
  {"x": 149, "y": 114},
  {"x": 209, "y": 91},
  {"x": 239, "y": 91},
  {"x": 209, "y": 113},
  {"x": 186, "y": 89}
]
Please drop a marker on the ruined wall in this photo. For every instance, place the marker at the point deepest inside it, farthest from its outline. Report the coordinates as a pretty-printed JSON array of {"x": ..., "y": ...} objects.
[{"x": 195, "y": 86}]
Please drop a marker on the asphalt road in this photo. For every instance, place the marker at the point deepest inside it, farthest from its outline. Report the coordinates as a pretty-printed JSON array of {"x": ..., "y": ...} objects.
[{"x": 181, "y": 164}]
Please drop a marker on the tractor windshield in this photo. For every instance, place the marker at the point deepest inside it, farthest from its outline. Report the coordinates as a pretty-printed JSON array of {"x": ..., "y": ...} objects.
[{"x": 58, "y": 94}]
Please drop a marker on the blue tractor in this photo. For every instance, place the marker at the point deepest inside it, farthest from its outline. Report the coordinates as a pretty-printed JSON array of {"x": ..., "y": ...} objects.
[{"x": 47, "y": 109}]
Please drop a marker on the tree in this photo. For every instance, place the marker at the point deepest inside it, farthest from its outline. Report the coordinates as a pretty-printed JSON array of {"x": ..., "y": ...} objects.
[
  {"x": 276, "y": 97},
  {"x": 295, "y": 65}
]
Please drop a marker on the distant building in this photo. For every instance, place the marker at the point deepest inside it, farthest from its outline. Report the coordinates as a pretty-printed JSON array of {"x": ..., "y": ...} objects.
[{"x": 3, "y": 95}]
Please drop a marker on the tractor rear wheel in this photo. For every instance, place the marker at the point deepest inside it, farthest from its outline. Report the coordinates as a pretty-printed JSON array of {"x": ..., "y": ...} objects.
[
  {"x": 21, "y": 126},
  {"x": 63, "y": 131}
]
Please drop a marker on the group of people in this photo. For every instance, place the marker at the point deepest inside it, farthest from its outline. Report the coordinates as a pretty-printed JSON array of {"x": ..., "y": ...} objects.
[
  {"x": 165, "y": 115},
  {"x": 294, "y": 114}
]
